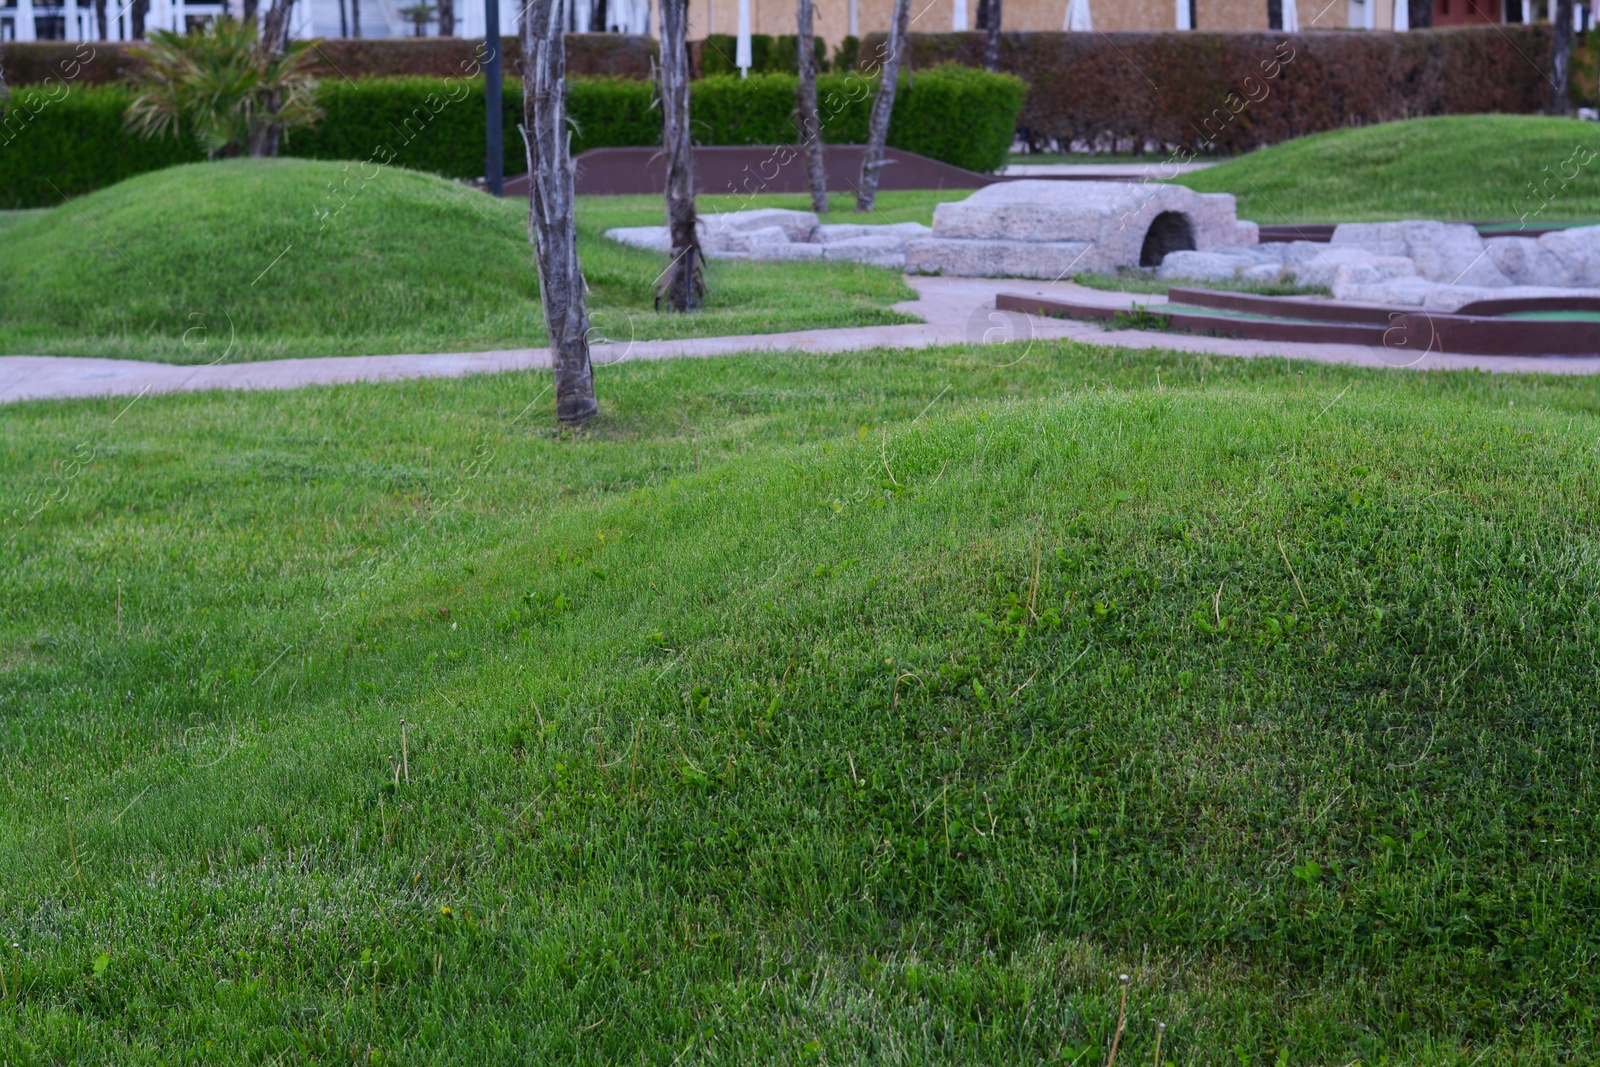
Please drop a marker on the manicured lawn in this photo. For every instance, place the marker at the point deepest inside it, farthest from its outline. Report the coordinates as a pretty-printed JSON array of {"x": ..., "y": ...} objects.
[
  {"x": 807, "y": 709},
  {"x": 1475, "y": 168},
  {"x": 237, "y": 261}
]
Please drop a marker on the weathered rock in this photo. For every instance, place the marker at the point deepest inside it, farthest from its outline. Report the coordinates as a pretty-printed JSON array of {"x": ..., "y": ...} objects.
[
  {"x": 1262, "y": 272},
  {"x": 1204, "y": 266},
  {"x": 731, "y": 244},
  {"x": 790, "y": 250},
  {"x": 796, "y": 225},
  {"x": 1578, "y": 252},
  {"x": 997, "y": 259},
  {"x": 1319, "y": 270},
  {"x": 1246, "y": 233},
  {"x": 1527, "y": 262},
  {"x": 832, "y": 233},
  {"x": 1451, "y": 253},
  {"x": 1114, "y": 219},
  {"x": 652, "y": 238},
  {"x": 1371, "y": 271}
]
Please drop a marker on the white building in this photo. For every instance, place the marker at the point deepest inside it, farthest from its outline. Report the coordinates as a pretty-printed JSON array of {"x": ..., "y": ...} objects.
[{"x": 78, "y": 20}]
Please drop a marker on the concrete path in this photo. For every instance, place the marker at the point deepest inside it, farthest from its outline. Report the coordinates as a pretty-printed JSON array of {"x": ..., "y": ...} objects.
[{"x": 953, "y": 310}]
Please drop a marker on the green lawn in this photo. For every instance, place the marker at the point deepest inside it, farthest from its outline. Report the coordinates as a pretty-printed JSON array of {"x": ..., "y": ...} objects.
[
  {"x": 879, "y": 707},
  {"x": 1472, "y": 168},
  {"x": 236, "y": 261}
]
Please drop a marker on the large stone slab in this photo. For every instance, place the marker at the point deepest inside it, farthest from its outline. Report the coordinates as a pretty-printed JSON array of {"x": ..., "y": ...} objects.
[
  {"x": 1113, "y": 218},
  {"x": 965, "y": 258},
  {"x": 1445, "y": 252},
  {"x": 1578, "y": 252}
]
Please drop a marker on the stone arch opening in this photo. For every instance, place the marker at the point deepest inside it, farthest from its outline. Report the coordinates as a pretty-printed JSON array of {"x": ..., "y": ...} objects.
[{"x": 1169, "y": 231}]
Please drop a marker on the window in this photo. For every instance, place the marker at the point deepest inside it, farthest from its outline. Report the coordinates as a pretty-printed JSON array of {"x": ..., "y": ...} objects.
[
  {"x": 50, "y": 27},
  {"x": 1274, "y": 14}
]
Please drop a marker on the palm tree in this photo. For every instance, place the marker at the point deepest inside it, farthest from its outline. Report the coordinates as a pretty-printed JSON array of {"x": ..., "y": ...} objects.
[
  {"x": 226, "y": 87},
  {"x": 419, "y": 15}
]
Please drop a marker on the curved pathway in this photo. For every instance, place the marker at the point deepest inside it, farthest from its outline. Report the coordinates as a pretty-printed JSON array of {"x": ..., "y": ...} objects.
[{"x": 953, "y": 310}]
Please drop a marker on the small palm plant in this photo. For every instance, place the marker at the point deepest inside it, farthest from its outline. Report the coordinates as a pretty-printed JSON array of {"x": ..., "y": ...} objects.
[{"x": 224, "y": 85}]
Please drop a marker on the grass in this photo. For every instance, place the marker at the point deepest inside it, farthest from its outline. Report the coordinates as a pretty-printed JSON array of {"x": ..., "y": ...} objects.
[
  {"x": 879, "y": 707},
  {"x": 236, "y": 261},
  {"x": 1469, "y": 168}
]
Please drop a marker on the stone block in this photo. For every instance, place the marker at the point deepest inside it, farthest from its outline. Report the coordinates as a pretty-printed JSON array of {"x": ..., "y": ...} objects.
[
  {"x": 1111, "y": 217},
  {"x": 830, "y": 233},
  {"x": 789, "y": 250},
  {"x": 1371, "y": 271},
  {"x": 1447, "y": 252},
  {"x": 997, "y": 259},
  {"x": 1203, "y": 266},
  {"x": 1527, "y": 262},
  {"x": 1578, "y": 252},
  {"x": 796, "y": 225},
  {"x": 653, "y": 238}
]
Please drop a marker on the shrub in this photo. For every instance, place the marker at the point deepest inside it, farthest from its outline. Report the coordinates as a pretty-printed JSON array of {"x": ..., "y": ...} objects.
[
  {"x": 437, "y": 124},
  {"x": 76, "y": 137},
  {"x": 768, "y": 55},
  {"x": 58, "y": 142},
  {"x": 1137, "y": 89}
]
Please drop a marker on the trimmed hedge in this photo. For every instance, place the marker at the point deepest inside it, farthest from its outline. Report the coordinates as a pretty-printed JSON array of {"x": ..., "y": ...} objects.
[
  {"x": 1232, "y": 92},
  {"x": 56, "y": 143},
  {"x": 437, "y": 124},
  {"x": 768, "y": 54},
  {"x": 613, "y": 55},
  {"x": 77, "y": 140}
]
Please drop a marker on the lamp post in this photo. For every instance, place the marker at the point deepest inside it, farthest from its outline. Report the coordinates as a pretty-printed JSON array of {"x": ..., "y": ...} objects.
[{"x": 494, "y": 163}]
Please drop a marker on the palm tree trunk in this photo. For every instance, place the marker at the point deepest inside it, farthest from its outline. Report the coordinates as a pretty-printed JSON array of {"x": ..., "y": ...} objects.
[
  {"x": 355, "y": 18},
  {"x": 447, "y": 18},
  {"x": 883, "y": 108},
  {"x": 1560, "y": 57},
  {"x": 810, "y": 119},
  {"x": 550, "y": 208},
  {"x": 683, "y": 285},
  {"x": 991, "y": 45}
]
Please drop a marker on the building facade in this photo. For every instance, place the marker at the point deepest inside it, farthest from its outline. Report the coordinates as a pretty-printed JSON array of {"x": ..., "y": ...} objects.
[{"x": 84, "y": 20}]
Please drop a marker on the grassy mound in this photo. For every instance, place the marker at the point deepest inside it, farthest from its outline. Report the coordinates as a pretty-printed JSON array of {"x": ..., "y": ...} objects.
[
  {"x": 807, "y": 709},
  {"x": 260, "y": 259},
  {"x": 1466, "y": 167}
]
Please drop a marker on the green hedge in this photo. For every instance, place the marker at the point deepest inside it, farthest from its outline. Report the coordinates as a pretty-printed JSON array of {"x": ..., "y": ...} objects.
[
  {"x": 77, "y": 141},
  {"x": 768, "y": 54},
  {"x": 55, "y": 143}
]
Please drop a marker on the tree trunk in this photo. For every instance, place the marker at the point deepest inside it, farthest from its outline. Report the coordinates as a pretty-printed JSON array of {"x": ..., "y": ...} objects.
[
  {"x": 991, "y": 44},
  {"x": 141, "y": 8},
  {"x": 263, "y": 138},
  {"x": 101, "y": 22},
  {"x": 1560, "y": 57},
  {"x": 550, "y": 210},
  {"x": 683, "y": 285},
  {"x": 447, "y": 18},
  {"x": 597, "y": 16},
  {"x": 355, "y": 18},
  {"x": 810, "y": 119},
  {"x": 883, "y": 107},
  {"x": 344, "y": 20}
]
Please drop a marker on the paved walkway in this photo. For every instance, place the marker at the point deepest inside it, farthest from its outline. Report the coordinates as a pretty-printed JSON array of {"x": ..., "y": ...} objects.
[{"x": 953, "y": 310}]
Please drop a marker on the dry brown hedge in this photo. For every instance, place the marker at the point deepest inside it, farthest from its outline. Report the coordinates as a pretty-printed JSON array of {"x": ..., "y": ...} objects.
[
  {"x": 616, "y": 54},
  {"x": 1127, "y": 90}
]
